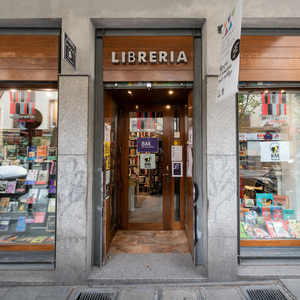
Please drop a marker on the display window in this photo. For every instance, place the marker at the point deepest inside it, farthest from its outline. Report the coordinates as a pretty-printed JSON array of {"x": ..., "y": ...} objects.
[
  {"x": 269, "y": 164},
  {"x": 28, "y": 164}
]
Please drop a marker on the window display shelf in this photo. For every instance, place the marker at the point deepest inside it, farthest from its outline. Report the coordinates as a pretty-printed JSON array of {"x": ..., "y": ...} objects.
[{"x": 26, "y": 247}]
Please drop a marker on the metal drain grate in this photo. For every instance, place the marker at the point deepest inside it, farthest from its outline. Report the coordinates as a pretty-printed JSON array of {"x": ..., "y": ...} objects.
[
  {"x": 266, "y": 294},
  {"x": 95, "y": 296}
]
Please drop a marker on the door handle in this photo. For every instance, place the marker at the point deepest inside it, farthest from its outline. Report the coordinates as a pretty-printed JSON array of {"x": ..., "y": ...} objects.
[{"x": 167, "y": 174}]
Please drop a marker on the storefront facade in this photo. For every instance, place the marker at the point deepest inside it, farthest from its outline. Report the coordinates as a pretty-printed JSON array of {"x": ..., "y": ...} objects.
[{"x": 81, "y": 223}]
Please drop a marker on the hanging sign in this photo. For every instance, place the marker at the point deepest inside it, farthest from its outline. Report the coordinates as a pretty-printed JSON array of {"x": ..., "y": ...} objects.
[
  {"x": 69, "y": 51},
  {"x": 147, "y": 161},
  {"x": 147, "y": 144},
  {"x": 274, "y": 151},
  {"x": 230, "y": 53}
]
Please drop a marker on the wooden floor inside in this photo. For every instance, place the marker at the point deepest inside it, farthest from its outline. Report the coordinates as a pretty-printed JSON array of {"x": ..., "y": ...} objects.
[{"x": 146, "y": 241}]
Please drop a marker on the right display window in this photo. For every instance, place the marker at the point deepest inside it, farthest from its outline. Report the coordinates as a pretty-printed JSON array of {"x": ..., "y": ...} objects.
[{"x": 269, "y": 165}]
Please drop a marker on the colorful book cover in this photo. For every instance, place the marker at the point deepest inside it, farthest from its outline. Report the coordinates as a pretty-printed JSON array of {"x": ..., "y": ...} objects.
[
  {"x": 249, "y": 230},
  {"x": 294, "y": 228},
  {"x": 29, "y": 216},
  {"x": 250, "y": 218},
  {"x": 31, "y": 177},
  {"x": 266, "y": 213},
  {"x": 21, "y": 224},
  {"x": 51, "y": 224},
  {"x": 270, "y": 228},
  {"x": 38, "y": 239},
  {"x": 260, "y": 233},
  {"x": 43, "y": 196},
  {"x": 249, "y": 202},
  {"x": 31, "y": 153},
  {"x": 32, "y": 196},
  {"x": 3, "y": 184},
  {"x": 45, "y": 141},
  {"x": 276, "y": 211},
  {"x": 261, "y": 222},
  {"x": 52, "y": 153},
  {"x": 22, "y": 207},
  {"x": 4, "y": 204},
  {"x": 41, "y": 152},
  {"x": 51, "y": 205},
  {"x": 11, "y": 152},
  {"x": 39, "y": 216},
  {"x": 12, "y": 206},
  {"x": 50, "y": 239},
  {"x": 280, "y": 229},
  {"x": 11, "y": 187},
  {"x": 52, "y": 187},
  {"x": 288, "y": 214},
  {"x": 11, "y": 239},
  {"x": 36, "y": 141},
  {"x": 25, "y": 239},
  {"x": 243, "y": 233},
  {"x": 42, "y": 177},
  {"x": 4, "y": 223},
  {"x": 264, "y": 199},
  {"x": 21, "y": 186},
  {"x": 3, "y": 238},
  {"x": 53, "y": 168}
]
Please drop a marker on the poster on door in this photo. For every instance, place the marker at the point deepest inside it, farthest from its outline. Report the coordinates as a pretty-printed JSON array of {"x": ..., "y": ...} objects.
[
  {"x": 147, "y": 144},
  {"x": 177, "y": 169},
  {"x": 176, "y": 152},
  {"x": 274, "y": 151},
  {"x": 147, "y": 161},
  {"x": 107, "y": 155}
]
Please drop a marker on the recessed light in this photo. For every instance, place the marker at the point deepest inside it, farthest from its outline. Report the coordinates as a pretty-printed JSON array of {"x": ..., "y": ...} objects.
[
  {"x": 129, "y": 92},
  {"x": 168, "y": 106},
  {"x": 171, "y": 92},
  {"x": 266, "y": 92}
]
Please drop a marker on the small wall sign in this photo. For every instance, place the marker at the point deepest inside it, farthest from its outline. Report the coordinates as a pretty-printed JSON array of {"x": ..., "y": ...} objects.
[{"x": 70, "y": 53}]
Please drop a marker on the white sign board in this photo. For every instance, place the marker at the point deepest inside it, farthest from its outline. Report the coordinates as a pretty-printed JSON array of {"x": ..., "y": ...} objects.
[
  {"x": 107, "y": 130},
  {"x": 230, "y": 53},
  {"x": 176, "y": 153},
  {"x": 274, "y": 151},
  {"x": 147, "y": 161}
]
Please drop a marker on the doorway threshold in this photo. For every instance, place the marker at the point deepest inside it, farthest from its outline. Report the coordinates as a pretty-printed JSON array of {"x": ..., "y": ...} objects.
[{"x": 141, "y": 268}]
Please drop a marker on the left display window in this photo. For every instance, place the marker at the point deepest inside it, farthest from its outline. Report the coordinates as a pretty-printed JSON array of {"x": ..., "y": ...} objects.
[{"x": 28, "y": 164}]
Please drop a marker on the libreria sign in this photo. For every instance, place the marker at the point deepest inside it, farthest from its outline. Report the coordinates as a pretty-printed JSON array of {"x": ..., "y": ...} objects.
[{"x": 152, "y": 57}]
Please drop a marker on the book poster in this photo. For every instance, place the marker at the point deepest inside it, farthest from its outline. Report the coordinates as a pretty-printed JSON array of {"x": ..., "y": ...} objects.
[
  {"x": 274, "y": 151},
  {"x": 177, "y": 169},
  {"x": 147, "y": 161},
  {"x": 107, "y": 154}
]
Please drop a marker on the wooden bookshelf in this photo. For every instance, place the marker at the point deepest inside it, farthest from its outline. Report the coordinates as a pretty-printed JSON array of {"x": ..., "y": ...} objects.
[{"x": 26, "y": 247}]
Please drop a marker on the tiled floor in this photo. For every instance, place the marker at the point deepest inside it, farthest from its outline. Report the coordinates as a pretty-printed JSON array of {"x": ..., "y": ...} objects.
[{"x": 146, "y": 241}]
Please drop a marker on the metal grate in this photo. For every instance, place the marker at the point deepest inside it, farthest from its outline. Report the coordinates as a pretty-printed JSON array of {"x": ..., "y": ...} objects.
[
  {"x": 95, "y": 296},
  {"x": 266, "y": 294}
]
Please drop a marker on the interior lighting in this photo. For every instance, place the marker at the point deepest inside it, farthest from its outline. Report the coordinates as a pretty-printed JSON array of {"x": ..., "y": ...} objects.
[
  {"x": 168, "y": 106},
  {"x": 136, "y": 107},
  {"x": 130, "y": 93},
  {"x": 283, "y": 91},
  {"x": 266, "y": 92},
  {"x": 13, "y": 91},
  {"x": 171, "y": 92}
]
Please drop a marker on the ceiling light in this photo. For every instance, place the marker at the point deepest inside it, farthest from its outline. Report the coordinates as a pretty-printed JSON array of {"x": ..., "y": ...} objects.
[
  {"x": 168, "y": 106},
  {"x": 171, "y": 92},
  {"x": 266, "y": 92},
  {"x": 129, "y": 92}
]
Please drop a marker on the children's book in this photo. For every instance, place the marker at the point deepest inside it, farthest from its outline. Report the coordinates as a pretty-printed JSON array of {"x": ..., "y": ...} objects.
[
  {"x": 38, "y": 239},
  {"x": 280, "y": 229},
  {"x": 21, "y": 224},
  {"x": 4, "y": 205},
  {"x": 250, "y": 218},
  {"x": 276, "y": 211},
  {"x": 52, "y": 187},
  {"x": 249, "y": 230},
  {"x": 288, "y": 214},
  {"x": 11, "y": 152},
  {"x": 36, "y": 141},
  {"x": 261, "y": 233},
  {"x": 51, "y": 224},
  {"x": 21, "y": 186},
  {"x": 25, "y": 239},
  {"x": 10, "y": 238},
  {"x": 12, "y": 206},
  {"x": 43, "y": 196},
  {"x": 31, "y": 177},
  {"x": 261, "y": 223},
  {"x": 42, "y": 177},
  {"x": 32, "y": 196},
  {"x": 264, "y": 199},
  {"x": 271, "y": 229},
  {"x": 243, "y": 233},
  {"x": 4, "y": 223},
  {"x": 51, "y": 205},
  {"x": 294, "y": 228},
  {"x": 266, "y": 213},
  {"x": 50, "y": 239},
  {"x": 39, "y": 216},
  {"x": 3, "y": 185},
  {"x": 46, "y": 141},
  {"x": 53, "y": 168},
  {"x": 31, "y": 153},
  {"x": 11, "y": 187},
  {"x": 249, "y": 202},
  {"x": 41, "y": 152},
  {"x": 3, "y": 238},
  {"x": 52, "y": 153},
  {"x": 22, "y": 207}
]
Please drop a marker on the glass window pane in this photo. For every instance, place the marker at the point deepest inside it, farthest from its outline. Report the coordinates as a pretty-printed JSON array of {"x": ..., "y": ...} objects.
[{"x": 28, "y": 153}]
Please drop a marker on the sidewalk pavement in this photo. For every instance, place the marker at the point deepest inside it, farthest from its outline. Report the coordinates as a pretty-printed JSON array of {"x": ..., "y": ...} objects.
[{"x": 289, "y": 288}]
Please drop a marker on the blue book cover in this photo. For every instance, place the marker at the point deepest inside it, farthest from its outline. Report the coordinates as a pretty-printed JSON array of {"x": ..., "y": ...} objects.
[
  {"x": 250, "y": 218},
  {"x": 264, "y": 199},
  {"x": 288, "y": 214},
  {"x": 21, "y": 225},
  {"x": 31, "y": 153}
]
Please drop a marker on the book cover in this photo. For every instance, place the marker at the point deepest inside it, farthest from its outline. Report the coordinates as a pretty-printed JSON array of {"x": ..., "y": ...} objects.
[
  {"x": 31, "y": 153},
  {"x": 38, "y": 239},
  {"x": 270, "y": 228},
  {"x": 45, "y": 141},
  {"x": 11, "y": 152},
  {"x": 280, "y": 230},
  {"x": 4, "y": 205},
  {"x": 288, "y": 214},
  {"x": 249, "y": 230},
  {"x": 243, "y": 233},
  {"x": 51, "y": 224},
  {"x": 4, "y": 223},
  {"x": 43, "y": 196},
  {"x": 294, "y": 228},
  {"x": 22, "y": 207},
  {"x": 249, "y": 202},
  {"x": 3, "y": 184},
  {"x": 261, "y": 233},
  {"x": 29, "y": 216},
  {"x": 250, "y": 218},
  {"x": 25, "y": 239},
  {"x": 32, "y": 196},
  {"x": 266, "y": 213},
  {"x": 50, "y": 239},
  {"x": 261, "y": 222},
  {"x": 31, "y": 177},
  {"x": 12, "y": 206},
  {"x": 276, "y": 211},
  {"x": 51, "y": 205},
  {"x": 52, "y": 153},
  {"x": 264, "y": 199},
  {"x": 11, "y": 187},
  {"x": 21, "y": 224},
  {"x": 42, "y": 177},
  {"x": 53, "y": 168},
  {"x": 21, "y": 186},
  {"x": 3, "y": 238},
  {"x": 52, "y": 187},
  {"x": 36, "y": 141},
  {"x": 41, "y": 152},
  {"x": 39, "y": 216},
  {"x": 11, "y": 238}
]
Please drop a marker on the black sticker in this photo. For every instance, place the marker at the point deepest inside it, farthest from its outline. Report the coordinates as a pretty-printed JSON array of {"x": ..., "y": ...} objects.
[{"x": 235, "y": 51}]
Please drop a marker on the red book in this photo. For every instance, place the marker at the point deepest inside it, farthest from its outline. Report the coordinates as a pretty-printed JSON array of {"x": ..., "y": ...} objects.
[
  {"x": 266, "y": 213},
  {"x": 271, "y": 229}
]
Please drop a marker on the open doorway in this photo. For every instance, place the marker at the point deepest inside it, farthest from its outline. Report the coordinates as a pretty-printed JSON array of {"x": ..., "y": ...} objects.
[{"x": 148, "y": 171}]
